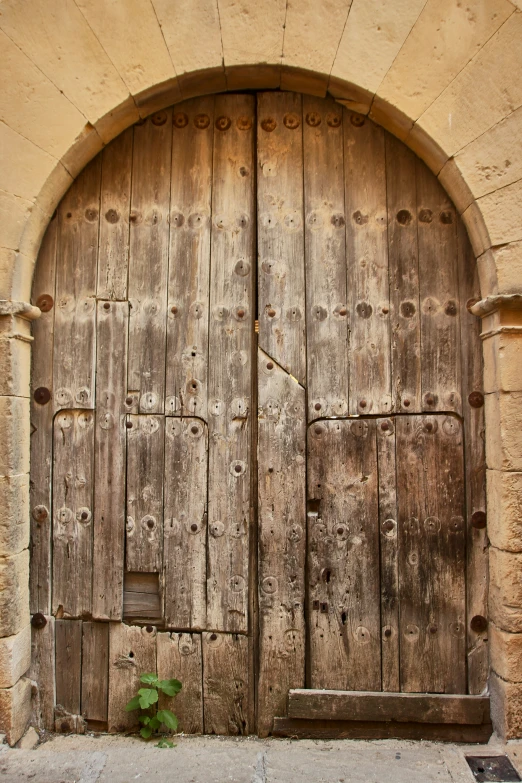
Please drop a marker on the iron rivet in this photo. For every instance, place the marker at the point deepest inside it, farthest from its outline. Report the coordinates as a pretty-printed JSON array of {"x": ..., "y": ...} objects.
[
  {"x": 476, "y": 399},
  {"x": 333, "y": 120},
  {"x": 180, "y": 120},
  {"x": 363, "y": 404},
  {"x": 193, "y": 527},
  {"x": 425, "y": 216},
  {"x": 406, "y": 403},
  {"x": 128, "y": 424},
  {"x": 244, "y": 123},
  {"x": 240, "y": 313},
  {"x": 129, "y": 400},
  {"x": 38, "y": 620},
  {"x": 269, "y": 366},
  {"x": 313, "y": 119},
  {"x": 342, "y": 311},
  {"x": 388, "y": 632},
  {"x": 111, "y": 216},
  {"x": 223, "y": 123},
  {"x": 404, "y": 217},
  {"x": 357, "y": 120},
  {"x": 269, "y": 124},
  {"x": 106, "y": 306},
  {"x": 478, "y": 624},
  {"x": 385, "y": 426},
  {"x": 194, "y": 430},
  {"x": 45, "y": 303},
  {"x": 160, "y": 118},
  {"x": 213, "y": 637},
  {"x": 317, "y": 406},
  {"x": 238, "y": 468},
  {"x": 201, "y": 121},
  {"x": 271, "y": 313},
  {"x": 149, "y": 628},
  {"x": 42, "y": 395},
  {"x": 479, "y": 520},
  {"x": 291, "y": 121},
  {"x": 174, "y": 310}
]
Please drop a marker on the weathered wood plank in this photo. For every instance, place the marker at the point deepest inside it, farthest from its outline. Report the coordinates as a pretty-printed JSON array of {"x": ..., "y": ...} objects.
[
  {"x": 185, "y": 532},
  {"x": 314, "y": 729},
  {"x": 110, "y": 460},
  {"x": 404, "y": 275},
  {"x": 132, "y": 652},
  {"x": 145, "y": 476},
  {"x": 43, "y": 293},
  {"x": 225, "y": 683},
  {"x": 179, "y": 656},
  {"x": 68, "y": 663},
  {"x": 189, "y": 265},
  {"x": 430, "y": 500},
  {"x": 367, "y": 265},
  {"x": 476, "y": 537},
  {"x": 438, "y": 292},
  {"x": 75, "y": 309},
  {"x": 390, "y": 636},
  {"x": 148, "y": 260},
  {"x": 113, "y": 253},
  {"x": 42, "y": 671},
  {"x": 95, "y": 670},
  {"x": 72, "y": 513},
  {"x": 325, "y": 259},
  {"x": 281, "y": 449},
  {"x": 402, "y": 707},
  {"x": 281, "y": 276},
  {"x": 230, "y": 383},
  {"x": 142, "y": 598},
  {"x": 343, "y": 556}
]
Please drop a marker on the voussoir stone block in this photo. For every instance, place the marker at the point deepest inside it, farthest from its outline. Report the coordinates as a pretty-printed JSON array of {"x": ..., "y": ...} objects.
[
  {"x": 15, "y": 709},
  {"x": 14, "y": 514},
  {"x": 15, "y": 657},
  {"x": 506, "y": 707},
  {"x": 14, "y": 435},
  {"x": 505, "y": 589},
  {"x": 504, "y": 493},
  {"x": 504, "y": 430},
  {"x": 14, "y": 593},
  {"x": 502, "y": 214},
  {"x": 505, "y": 653}
]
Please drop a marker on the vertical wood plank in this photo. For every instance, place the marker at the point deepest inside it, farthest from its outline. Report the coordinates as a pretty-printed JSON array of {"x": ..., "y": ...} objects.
[
  {"x": 72, "y": 512},
  {"x": 325, "y": 259},
  {"x": 390, "y": 638},
  {"x": 476, "y": 537},
  {"x": 367, "y": 266},
  {"x": 148, "y": 260},
  {"x": 75, "y": 309},
  {"x": 42, "y": 671},
  {"x": 225, "y": 683},
  {"x": 439, "y": 296},
  {"x": 430, "y": 499},
  {"x": 343, "y": 556},
  {"x": 281, "y": 450},
  {"x": 404, "y": 275},
  {"x": 43, "y": 293},
  {"x": 189, "y": 264},
  {"x": 185, "y": 533},
  {"x": 179, "y": 656},
  {"x": 145, "y": 476},
  {"x": 230, "y": 382},
  {"x": 281, "y": 277},
  {"x": 95, "y": 670},
  {"x": 132, "y": 652},
  {"x": 68, "y": 664},
  {"x": 113, "y": 254},
  {"x": 110, "y": 460}
]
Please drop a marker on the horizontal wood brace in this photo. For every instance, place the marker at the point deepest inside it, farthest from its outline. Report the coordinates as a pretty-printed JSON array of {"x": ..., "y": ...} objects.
[{"x": 378, "y": 706}]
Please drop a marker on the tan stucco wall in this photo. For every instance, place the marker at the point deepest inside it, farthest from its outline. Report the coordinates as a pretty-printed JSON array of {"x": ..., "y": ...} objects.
[{"x": 443, "y": 75}]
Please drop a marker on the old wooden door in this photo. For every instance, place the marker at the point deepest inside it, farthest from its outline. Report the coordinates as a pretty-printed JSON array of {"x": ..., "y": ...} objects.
[{"x": 333, "y": 540}]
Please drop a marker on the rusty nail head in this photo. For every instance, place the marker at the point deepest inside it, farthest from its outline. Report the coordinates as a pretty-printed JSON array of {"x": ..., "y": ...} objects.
[
  {"x": 193, "y": 527},
  {"x": 45, "y": 302},
  {"x": 173, "y": 309},
  {"x": 128, "y": 424},
  {"x": 107, "y": 306},
  {"x": 201, "y": 121},
  {"x": 238, "y": 468},
  {"x": 160, "y": 118},
  {"x": 388, "y": 632},
  {"x": 38, "y": 620},
  {"x": 385, "y": 426},
  {"x": 388, "y": 525},
  {"x": 429, "y": 399},
  {"x": 223, "y": 123},
  {"x": 357, "y": 120},
  {"x": 479, "y": 520},
  {"x": 340, "y": 531},
  {"x": 129, "y": 400},
  {"x": 476, "y": 399},
  {"x": 149, "y": 628},
  {"x": 269, "y": 124},
  {"x": 269, "y": 366},
  {"x": 317, "y": 406},
  {"x": 85, "y": 515},
  {"x": 213, "y": 637},
  {"x": 478, "y": 624},
  {"x": 180, "y": 120},
  {"x": 406, "y": 403},
  {"x": 363, "y": 404},
  {"x": 271, "y": 312},
  {"x": 433, "y": 629},
  {"x": 313, "y": 119},
  {"x": 244, "y": 123},
  {"x": 194, "y": 429},
  {"x": 42, "y": 395},
  {"x": 342, "y": 311},
  {"x": 333, "y": 120},
  {"x": 240, "y": 313},
  {"x": 291, "y": 121}
]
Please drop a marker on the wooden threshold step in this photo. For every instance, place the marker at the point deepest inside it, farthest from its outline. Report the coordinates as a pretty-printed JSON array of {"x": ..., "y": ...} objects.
[
  {"x": 295, "y": 728},
  {"x": 439, "y": 709}
]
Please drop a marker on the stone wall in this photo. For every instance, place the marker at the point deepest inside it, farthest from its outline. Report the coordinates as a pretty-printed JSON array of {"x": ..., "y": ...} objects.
[{"x": 442, "y": 75}]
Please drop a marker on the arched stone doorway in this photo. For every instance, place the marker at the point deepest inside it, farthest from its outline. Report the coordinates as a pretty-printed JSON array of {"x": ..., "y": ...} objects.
[{"x": 360, "y": 293}]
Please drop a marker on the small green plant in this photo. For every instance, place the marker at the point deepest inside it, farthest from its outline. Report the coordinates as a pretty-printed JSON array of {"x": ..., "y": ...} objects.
[{"x": 146, "y": 700}]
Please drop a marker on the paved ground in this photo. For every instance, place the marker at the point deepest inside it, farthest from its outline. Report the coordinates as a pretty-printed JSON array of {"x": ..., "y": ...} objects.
[{"x": 114, "y": 759}]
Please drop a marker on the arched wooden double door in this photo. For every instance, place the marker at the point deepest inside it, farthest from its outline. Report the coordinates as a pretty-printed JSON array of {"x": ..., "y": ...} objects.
[{"x": 253, "y": 512}]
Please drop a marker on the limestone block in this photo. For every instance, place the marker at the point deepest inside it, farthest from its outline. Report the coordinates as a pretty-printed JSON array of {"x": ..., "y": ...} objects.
[
  {"x": 130, "y": 33},
  {"x": 15, "y": 710},
  {"x": 505, "y": 589},
  {"x": 504, "y": 430},
  {"x": 33, "y": 233},
  {"x": 445, "y": 37},
  {"x": 14, "y": 514},
  {"x": 117, "y": 120},
  {"x": 493, "y": 160},
  {"x": 506, "y": 707},
  {"x": 14, "y": 593},
  {"x": 478, "y": 234},
  {"x": 507, "y": 262},
  {"x": 14, "y": 213},
  {"x": 252, "y": 32},
  {"x": 59, "y": 41},
  {"x": 14, "y": 435},
  {"x": 192, "y": 33},
  {"x": 56, "y": 185},
  {"x": 24, "y": 167},
  {"x": 16, "y": 272},
  {"x": 372, "y": 38},
  {"x": 453, "y": 182},
  {"x": 313, "y": 30},
  {"x": 85, "y": 147},
  {"x": 426, "y": 148},
  {"x": 15, "y": 657},
  {"x": 482, "y": 94},
  {"x": 505, "y": 653},
  {"x": 159, "y": 96},
  {"x": 503, "y": 214},
  {"x": 32, "y": 106},
  {"x": 504, "y": 496},
  {"x": 350, "y": 95},
  {"x": 503, "y": 362},
  {"x": 15, "y": 361},
  {"x": 30, "y": 739},
  {"x": 205, "y": 82},
  {"x": 391, "y": 118}
]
